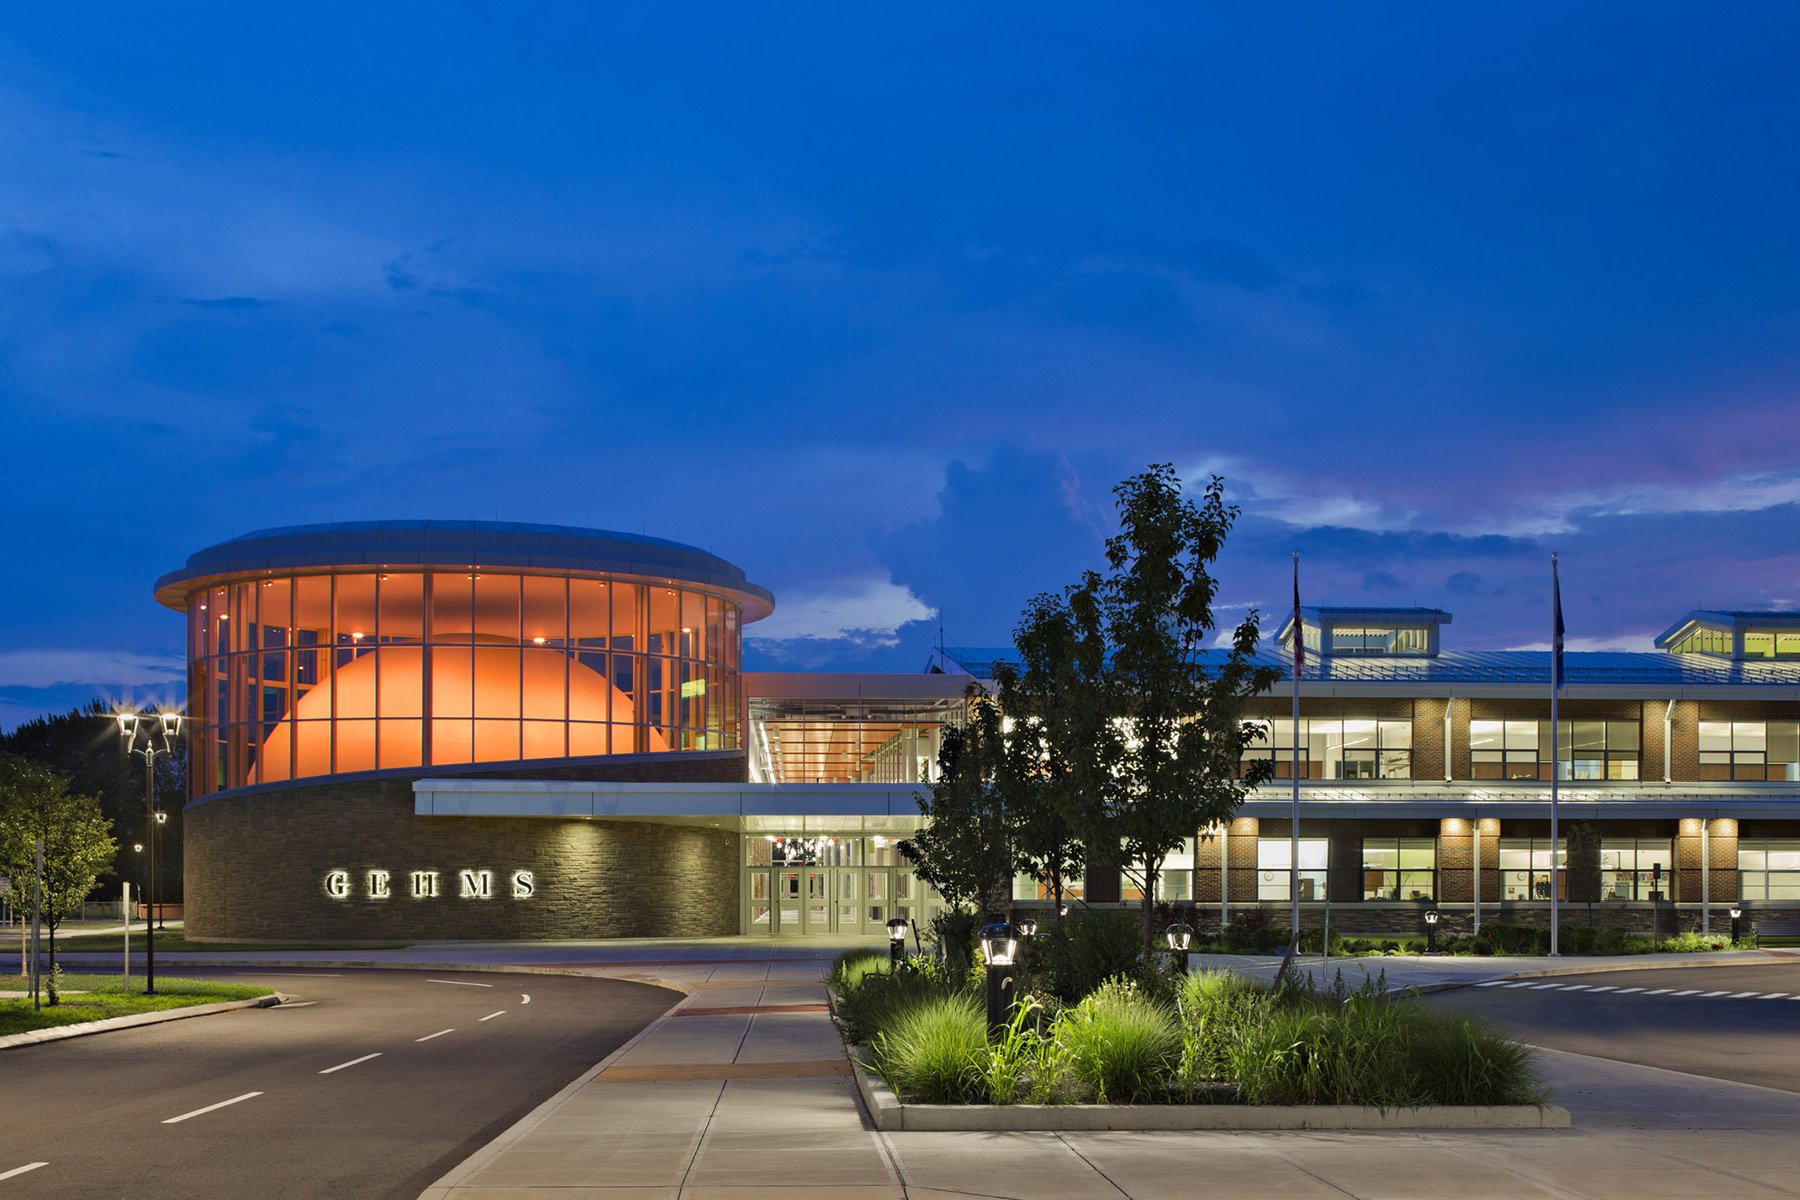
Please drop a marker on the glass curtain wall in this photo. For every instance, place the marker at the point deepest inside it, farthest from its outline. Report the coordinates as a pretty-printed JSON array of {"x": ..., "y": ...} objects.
[{"x": 359, "y": 671}]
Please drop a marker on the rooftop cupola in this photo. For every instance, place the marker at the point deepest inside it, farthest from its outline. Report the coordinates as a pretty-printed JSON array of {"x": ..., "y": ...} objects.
[
  {"x": 1367, "y": 632},
  {"x": 1734, "y": 635}
]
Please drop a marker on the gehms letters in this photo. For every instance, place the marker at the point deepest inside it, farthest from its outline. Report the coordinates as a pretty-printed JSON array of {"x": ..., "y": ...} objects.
[{"x": 477, "y": 883}]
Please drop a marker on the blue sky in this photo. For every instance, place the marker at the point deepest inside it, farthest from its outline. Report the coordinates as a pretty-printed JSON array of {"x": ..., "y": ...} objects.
[{"x": 880, "y": 304}]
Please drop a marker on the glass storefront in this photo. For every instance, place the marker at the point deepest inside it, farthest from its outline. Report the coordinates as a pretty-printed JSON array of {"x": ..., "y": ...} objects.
[{"x": 356, "y": 671}]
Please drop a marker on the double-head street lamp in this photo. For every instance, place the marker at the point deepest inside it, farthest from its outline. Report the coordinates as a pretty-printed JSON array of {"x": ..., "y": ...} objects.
[
  {"x": 1180, "y": 936},
  {"x": 150, "y": 735},
  {"x": 1000, "y": 950}
]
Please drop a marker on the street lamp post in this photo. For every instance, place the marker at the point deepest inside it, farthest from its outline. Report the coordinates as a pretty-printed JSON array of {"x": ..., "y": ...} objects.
[
  {"x": 1431, "y": 920},
  {"x": 150, "y": 735},
  {"x": 1000, "y": 949},
  {"x": 1180, "y": 936},
  {"x": 1737, "y": 924},
  {"x": 896, "y": 931}
]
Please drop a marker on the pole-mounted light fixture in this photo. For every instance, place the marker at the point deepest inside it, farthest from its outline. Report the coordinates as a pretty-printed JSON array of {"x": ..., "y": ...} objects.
[
  {"x": 1431, "y": 924},
  {"x": 1000, "y": 950},
  {"x": 896, "y": 931},
  {"x": 1180, "y": 936},
  {"x": 150, "y": 735}
]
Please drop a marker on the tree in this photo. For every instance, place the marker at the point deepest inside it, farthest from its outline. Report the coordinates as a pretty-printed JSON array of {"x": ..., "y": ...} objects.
[
  {"x": 1154, "y": 717},
  {"x": 83, "y": 744},
  {"x": 1038, "y": 777},
  {"x": 963, "y": 849},
  {"x": 36, "y": 803},
  {"x": 1581, "y": 871}
]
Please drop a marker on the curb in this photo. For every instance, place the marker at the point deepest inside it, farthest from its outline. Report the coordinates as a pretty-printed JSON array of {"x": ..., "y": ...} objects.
[
  {"x": 57, "y": 1033},
  {"x": 1598, "y": 965},
  {"x": 890, "y": 1115},
  {"x": 451, "y": 1180}
]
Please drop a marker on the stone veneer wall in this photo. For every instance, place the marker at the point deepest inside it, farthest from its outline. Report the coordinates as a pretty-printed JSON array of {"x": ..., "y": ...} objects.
[{"x": 257, "y": 862}]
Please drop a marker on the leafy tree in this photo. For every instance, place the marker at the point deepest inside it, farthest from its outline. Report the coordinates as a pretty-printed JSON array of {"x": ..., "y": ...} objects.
[
  {"x": 963, "y": 849},
  {"x": 83, "y": 744},
  {"x": 36, "y": 803},
  {"x": 1154, "y": 718},
  {"x": 1581, "y": 870},
  {"x": 1039, "y": 779}
]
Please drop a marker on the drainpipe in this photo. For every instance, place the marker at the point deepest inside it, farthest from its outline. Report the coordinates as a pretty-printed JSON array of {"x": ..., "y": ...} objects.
[
  {"x": 1477, "y": 839},
  {"x": 1705, "y": 877},
  {"x": 1668, "y": 742},
  {"x": 1224, "y": 875},
  {"x": 1449, "y": 708}
]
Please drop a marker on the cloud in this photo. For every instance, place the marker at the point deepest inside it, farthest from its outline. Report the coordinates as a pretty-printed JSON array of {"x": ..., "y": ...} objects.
[
  {"x": 1305, "y": 503},
  {"x": 224, "y": 303},
  {"x": 866, "y": 612},
  {"x": 119, "y": 668}
]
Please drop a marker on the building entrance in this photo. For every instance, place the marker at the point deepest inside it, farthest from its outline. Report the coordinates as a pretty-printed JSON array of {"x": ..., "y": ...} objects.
[{"x": 813, "y": 886}]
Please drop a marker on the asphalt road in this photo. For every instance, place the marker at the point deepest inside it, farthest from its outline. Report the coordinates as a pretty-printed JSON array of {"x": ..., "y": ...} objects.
[
  {"x": 1740, "y": 1023},
  {"x": 372, "y": 1084}
]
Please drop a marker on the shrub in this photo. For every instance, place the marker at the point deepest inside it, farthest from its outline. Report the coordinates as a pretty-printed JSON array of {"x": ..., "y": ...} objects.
[
  {"x": 1252, "y": 935},
  {"x": 1690, "y": 942},
  {"x": 930, "y": 1051},
  {"x": 851, "y": 968},
  {"x": 880, "y": 999},
  {"x": 1086, "y": 948},
  {"x": 1455, "y": 1060},
  {"x": 956, "y": 934},
  {"x": 1215, "y": 1009},
  {"x": 1122, "y": 1045}
]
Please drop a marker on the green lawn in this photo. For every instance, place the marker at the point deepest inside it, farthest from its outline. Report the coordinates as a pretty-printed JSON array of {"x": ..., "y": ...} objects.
[{"x": 110, "y": 996}]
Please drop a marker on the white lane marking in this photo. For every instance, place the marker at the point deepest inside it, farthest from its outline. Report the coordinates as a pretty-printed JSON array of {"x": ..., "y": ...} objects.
[
  {"x": 1527, "y": 983},
  {"x": 492, "y": 1015},
  {"x": 1543, "y": 986},
  {"x": 524, "y": 998},
  {"x": 1774, "y": 996},
  {"x": 22, "y": 1170},
  {"x": 1741, "y": 995},
  {"x": 1609, "y": 988},
  {"x": 1659, "y": 991},
  {"x": 294, "y": 1004},
  {"x": 1628, "y": 991},
  {"x": 1689, "y": 992},
  {"x": 459, "y": 983},
  {"x": 199, "y": 1112},
  {"x": 365, "y": 1058},
  {"x": 1710, "y": 995},
  {"x": 1492, "y": 983},
  {"x": 1577, "y": 987},
  {"x": 439, "y": 1033}
]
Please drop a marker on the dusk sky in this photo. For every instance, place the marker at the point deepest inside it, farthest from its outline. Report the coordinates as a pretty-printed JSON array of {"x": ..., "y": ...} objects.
[{"x": 879, "y": 303}]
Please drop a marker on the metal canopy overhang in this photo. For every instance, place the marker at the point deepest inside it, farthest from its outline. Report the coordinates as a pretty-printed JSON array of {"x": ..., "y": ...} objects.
[
  {"x": 887, "y": 808},
  {"x": 744, "y": 807}
]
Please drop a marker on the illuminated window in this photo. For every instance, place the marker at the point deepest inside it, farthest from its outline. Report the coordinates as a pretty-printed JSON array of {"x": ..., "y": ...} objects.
[
  {"x": 1757, "y": 750},
  {"x": 1521, "y": 749},
  {"x": 1399, "y": 868},
  {"x": 1274, "y": 863},
  {"x": 1337, "y": 748}
]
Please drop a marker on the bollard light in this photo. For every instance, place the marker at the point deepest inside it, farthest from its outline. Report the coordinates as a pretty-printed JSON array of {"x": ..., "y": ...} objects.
[
  {"x": 1431, "y": 922},
  {"x": 1737, "y": 926},
  {"x": 1180, "y": 936},
  {"x": 896, "y": 931},
  {"x": 1000, "y": 949}
]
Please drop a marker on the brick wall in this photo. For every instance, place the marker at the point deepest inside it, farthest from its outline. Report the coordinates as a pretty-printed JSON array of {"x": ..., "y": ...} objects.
[{"x": 257, "y": 866}]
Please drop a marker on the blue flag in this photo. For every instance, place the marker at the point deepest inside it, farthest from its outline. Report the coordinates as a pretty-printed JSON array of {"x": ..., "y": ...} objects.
[{"x": 1556, "y": 637}]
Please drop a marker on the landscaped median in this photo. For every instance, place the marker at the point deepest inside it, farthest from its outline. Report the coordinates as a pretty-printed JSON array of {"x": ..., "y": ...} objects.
[
  {"x": 96, "y": 1003},
  {"x": 1212, "y": 1050}
]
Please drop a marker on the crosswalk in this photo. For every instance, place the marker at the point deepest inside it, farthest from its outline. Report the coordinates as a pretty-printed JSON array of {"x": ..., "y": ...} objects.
[{"x": 1614, "y": 989}]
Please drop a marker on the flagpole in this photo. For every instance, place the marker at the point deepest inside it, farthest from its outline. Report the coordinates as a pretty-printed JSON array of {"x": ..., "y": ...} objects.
[
  {"x": 1294, "y": 827},
  {"x": 1556, "y": 640}
]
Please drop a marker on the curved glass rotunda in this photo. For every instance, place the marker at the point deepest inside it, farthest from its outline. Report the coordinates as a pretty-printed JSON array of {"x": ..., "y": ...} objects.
[{"x": 330, "y": 650}]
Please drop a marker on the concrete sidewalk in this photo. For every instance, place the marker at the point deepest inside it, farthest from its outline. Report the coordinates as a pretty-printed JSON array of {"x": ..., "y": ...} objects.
[{"x": 742, "y": 1091}]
